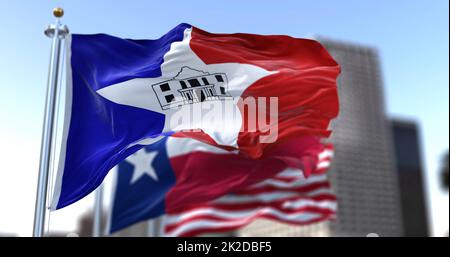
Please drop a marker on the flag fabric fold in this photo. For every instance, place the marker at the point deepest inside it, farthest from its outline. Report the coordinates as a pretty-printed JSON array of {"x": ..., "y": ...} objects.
[{"x": 123, "y": 94}]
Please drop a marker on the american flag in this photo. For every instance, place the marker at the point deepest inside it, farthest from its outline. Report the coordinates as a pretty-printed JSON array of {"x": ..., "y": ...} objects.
[{"x": 288, "y": 197}]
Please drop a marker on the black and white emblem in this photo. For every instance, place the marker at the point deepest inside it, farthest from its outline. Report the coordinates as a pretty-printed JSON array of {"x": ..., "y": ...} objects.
[{"x": 191, "y": 86}]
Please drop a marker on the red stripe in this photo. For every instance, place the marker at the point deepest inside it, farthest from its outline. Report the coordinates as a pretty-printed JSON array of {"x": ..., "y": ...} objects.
[{"x": 321, "y": 171}]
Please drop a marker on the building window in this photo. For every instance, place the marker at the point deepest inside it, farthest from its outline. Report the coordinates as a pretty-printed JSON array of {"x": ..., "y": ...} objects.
[
  {"x": 164, "y": 87},
  {"x": 194, "y": 82},
  {"x": 183, "y": 84},
  {"x": 219, "y": 78},
  {"x": 169, "y": 98},
  {"x": 222, "y": 90},
  {"x": 205, "y": 81}
]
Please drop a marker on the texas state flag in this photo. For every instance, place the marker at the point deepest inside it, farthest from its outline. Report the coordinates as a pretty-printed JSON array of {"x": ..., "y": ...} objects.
[
  {"x": 175, "y": 174},
  {"x": 124, "y": 94}
]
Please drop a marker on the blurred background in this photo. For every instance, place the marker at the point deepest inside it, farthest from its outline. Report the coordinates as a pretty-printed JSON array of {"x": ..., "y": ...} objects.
[{"x": 390, "y": 171}]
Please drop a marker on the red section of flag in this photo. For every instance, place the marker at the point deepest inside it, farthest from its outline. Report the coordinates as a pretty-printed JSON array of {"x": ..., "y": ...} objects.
[{"x": 305, "y": 82}]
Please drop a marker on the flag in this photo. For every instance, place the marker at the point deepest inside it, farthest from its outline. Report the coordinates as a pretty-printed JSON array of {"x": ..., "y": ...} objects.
[
  {"x": 123, "y": 94},
  {"x": 288, "y": 197},
  {"x": 176, "y": 174}
]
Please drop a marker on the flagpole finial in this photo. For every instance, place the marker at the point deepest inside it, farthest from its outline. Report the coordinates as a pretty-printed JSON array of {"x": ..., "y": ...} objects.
[
  {"x": 62, "y": 29},
  {"x": 58, "y": 12}
]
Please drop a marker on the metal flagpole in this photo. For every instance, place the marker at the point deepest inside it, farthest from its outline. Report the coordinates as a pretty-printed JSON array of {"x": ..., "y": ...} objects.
[
  {"x": 161, "y": 224},
  {"x": 155, "y": 227},
  {"x": 57, "y": 32},
  {"x": 98, "y": 208}
]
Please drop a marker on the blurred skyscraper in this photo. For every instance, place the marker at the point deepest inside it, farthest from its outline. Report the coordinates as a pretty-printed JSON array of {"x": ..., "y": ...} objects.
[
  {"x": 363, "y": 172},
  {"x": 409, "y": 167}
]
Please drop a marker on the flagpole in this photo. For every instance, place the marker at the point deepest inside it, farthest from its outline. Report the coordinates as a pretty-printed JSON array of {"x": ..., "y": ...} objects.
[
  {"x": 155, "y": 227},
  {"x": 151, "y": 228},
  {"x": 161, "y": 224},
  {"x": 98, "y": 208},
  {"x": 57, "y": 32}
]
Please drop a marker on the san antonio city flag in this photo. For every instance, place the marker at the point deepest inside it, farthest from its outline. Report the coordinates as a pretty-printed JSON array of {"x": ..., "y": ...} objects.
[{"x": 124, "y": 94}]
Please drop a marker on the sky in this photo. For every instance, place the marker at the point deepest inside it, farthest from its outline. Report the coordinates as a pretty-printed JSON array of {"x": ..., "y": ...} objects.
[{"x": 412, "y": 38}]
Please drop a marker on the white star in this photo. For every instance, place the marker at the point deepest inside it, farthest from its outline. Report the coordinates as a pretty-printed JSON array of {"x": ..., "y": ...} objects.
[
  {"x": 139, "y": 92},
  {"x": 142, "y": 162}
]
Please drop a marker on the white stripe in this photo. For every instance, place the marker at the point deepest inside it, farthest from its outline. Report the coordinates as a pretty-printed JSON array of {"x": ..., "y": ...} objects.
[
  {"x": 269, "y": 197},
  {"x": 326, "y": 153},
  {"x": 296, "y": 217},
  {"x": 323, "y": 164},
  {"x": 291, "y": 173},
  {"x": 300, "y": 203}
]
